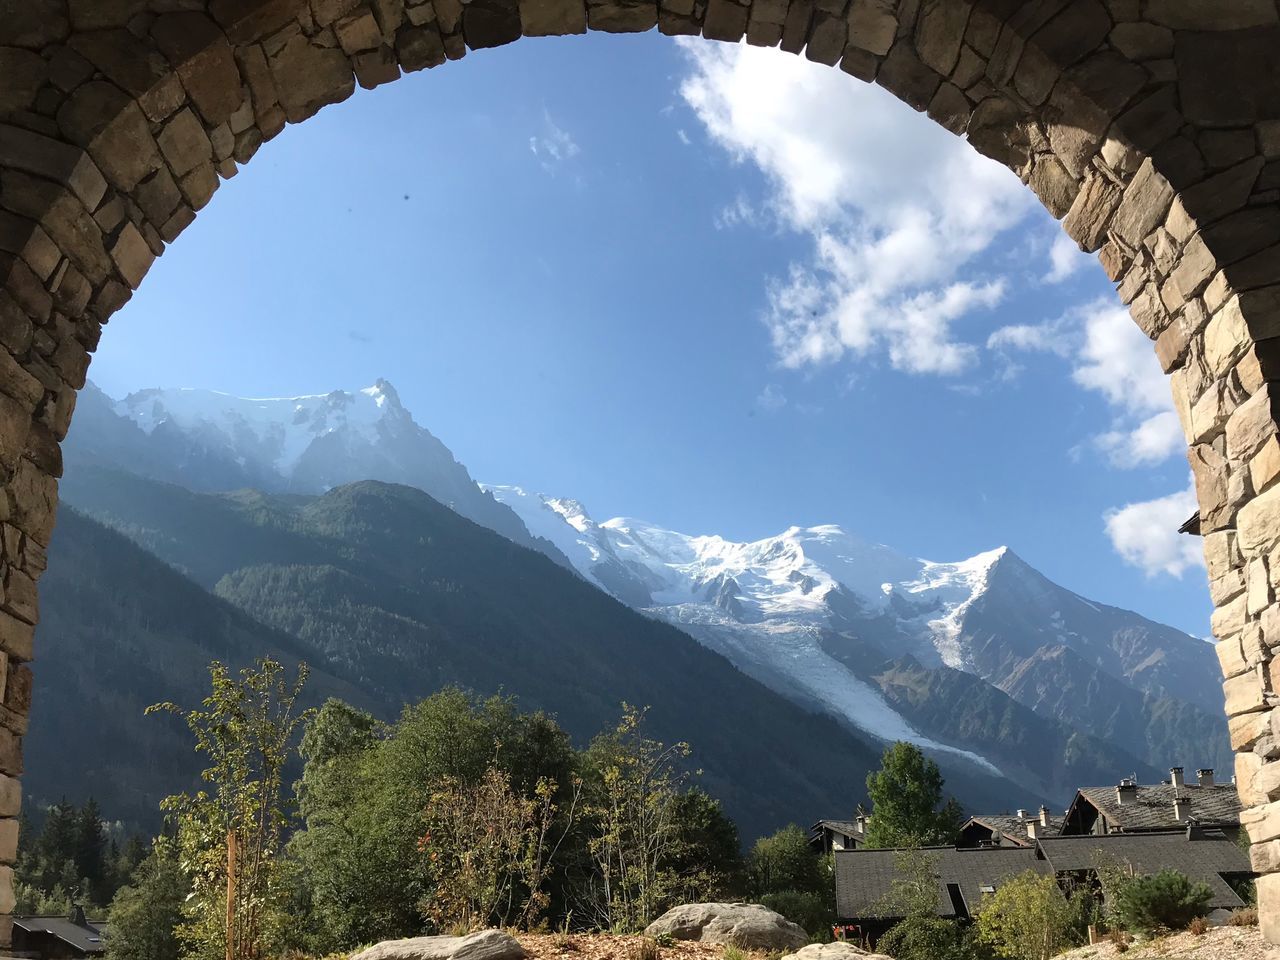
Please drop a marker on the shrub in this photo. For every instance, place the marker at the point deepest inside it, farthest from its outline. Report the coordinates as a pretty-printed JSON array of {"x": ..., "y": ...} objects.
[
  {"x": 646, "y": 948},
  {"x": 812, "y": 912},
  {"x": 732, "y": 952},
  {"x": 929, "y": 938},
  {"x": 1244, "y": 917},
  {"x": 1199, "y": 926},
  {"x": 1167, "y": 899},
  {"x": 1027, "y": 918}
]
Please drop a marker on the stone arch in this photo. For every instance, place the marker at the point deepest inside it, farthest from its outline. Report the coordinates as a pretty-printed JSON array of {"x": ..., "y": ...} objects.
[{"x": 1151, "y": 127}]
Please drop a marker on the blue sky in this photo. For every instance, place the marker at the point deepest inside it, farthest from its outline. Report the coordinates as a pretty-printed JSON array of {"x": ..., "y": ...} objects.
[{"x": 715, "y": 287}]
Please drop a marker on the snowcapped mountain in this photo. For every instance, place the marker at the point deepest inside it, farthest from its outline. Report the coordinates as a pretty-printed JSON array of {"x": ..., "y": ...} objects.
[
  {"x": 983, "y": 661},
  {"x": 209, "y": 441},
  {"x": 827, "y": 618}
]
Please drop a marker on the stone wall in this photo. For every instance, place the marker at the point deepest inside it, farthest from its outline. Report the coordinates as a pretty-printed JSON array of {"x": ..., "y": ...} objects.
[{"x": 1151, "y": 127}]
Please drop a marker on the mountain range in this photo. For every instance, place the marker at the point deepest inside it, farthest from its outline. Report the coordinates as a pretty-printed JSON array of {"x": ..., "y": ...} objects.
[{"x": 1020, "y": 688}]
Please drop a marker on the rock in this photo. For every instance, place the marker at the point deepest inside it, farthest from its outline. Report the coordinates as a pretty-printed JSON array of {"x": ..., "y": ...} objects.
[
  {"x": 838, "y": 950},
  {"x": 749, "y": 926},
  {"x": 483, "y": 945}
]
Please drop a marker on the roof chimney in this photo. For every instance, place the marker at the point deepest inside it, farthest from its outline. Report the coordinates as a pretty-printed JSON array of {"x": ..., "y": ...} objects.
[
  {"x": 1204, "y": 776},
  {"x": 1044, "y": 815},
  {"x": 1126, "y": 791},
  {"x": 1022, "y": 814},
  {"x": 1175, "y": 777},
  {"x": 1033, "y": 829},
  {"x": 861, "y": 822},
  {"x": 1181, "y": 809}
]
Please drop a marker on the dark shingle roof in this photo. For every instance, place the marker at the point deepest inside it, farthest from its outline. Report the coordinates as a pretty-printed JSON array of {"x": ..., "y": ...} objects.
[
  {"x": 864, "y": 878},
  {"x": 1152, "y": 806},
  {"x": 87, "y": 939},
  {"x": 1204, "y": 857},
  {"x": 847, "y": 827},
  {"x": 1013, "y": 826}
]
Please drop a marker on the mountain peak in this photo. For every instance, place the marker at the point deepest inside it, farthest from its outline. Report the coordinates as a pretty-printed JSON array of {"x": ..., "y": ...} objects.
[{"x": 384, "y": 394}]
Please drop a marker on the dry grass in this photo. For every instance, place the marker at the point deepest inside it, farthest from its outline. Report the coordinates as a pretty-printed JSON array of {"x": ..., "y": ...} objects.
[
  {"x": 1244, "y": 917},
  {"x": 1217, "y": 943},
  {"x": 608, "y": 946}
]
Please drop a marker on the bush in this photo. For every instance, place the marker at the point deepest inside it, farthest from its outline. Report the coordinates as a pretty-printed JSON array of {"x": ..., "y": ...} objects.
[
  {"x": 1164, "y": 900},
  {"x": 929, "y": 938},
  {"x": 809, "y": 910},
  {"x": 1199, "y": 926},
  {"x": 1244, "y": 917},
  {"x": 1028, "y": 918}
]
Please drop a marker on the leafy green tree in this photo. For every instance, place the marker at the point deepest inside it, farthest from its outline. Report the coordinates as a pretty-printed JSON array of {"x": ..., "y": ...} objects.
[
  {"x": 146, "y": 914},
  {"x": 229, "y": 840},
  {"x": 930, "y": 938},
  {"x": 705, "y": 858},
  {"x": 364, "y": 789},
  {"x": 1027, "y": 918},
  {"x": 1165, "y": 900},
  {"x": 635, "y": 786},
  {"x": 784, "y": 862},
  {"x": 89, "y": 852},
  {"x": 908, "y": 809}
]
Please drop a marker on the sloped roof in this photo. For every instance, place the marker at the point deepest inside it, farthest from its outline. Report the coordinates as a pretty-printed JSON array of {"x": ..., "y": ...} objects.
[
  {"x": 1201, "y": 856},
  {"x": 1152, "y": 805},
  {"x": 90, "y": 938},
  {"x": 847, "y": 827},
  {"x": 1014, "y": 827},
  {"x": 864, "y": 878}
]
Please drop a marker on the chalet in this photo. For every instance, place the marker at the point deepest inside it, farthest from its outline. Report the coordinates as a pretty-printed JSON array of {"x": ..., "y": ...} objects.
[
  {"x": 1130, "y": 807},
  {"x": 865, "y": 878},
  {"x": 999, "y": 829},
  {"x": 828, "y": 835},
  {"x": 865, "y": 882},
  {"x": 59, "y": 938}
]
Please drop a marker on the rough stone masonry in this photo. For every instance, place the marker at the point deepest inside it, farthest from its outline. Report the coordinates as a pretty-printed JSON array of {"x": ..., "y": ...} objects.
[{"x": 1151, "y": 127}]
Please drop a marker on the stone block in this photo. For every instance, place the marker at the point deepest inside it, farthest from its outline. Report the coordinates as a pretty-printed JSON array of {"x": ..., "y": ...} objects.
[
  {"x": 1254, "y": 782},
  {"x": 1231, "y": 657},
  {"x": 827, "y": 38},
  {"x": 1259, "y": 594},
  {"x": 1258, "y": 524},
  {"x": 1246, "y": 729},
  {"x": 1267, "y": 888},
  {"x": 1264, "y": 468},
  {"x": 1244, "y": 694},
  {"x": 1229, "y": 619},
  {"x": 199, "y": 51},
  {"x": 33, "y": 23},
  {"x": 873, "y": 25},
  {"x": 33, "y": 496},
  {"x": 134, "y": 66},
  {"x": 110, "y": 125},
  {"x": 903, "y": 75},
  {"x": 247, "y": 21},
  {"x": 1252, "y": 424},
  {"x": 22, "y": 74},
  {"x": 420, "y": 47},
  {"x": 622, "y": 16},
  {"x": 939, "y": 32},
  {"x": 358, "y": 32},
  {"x": 1144, "y": 205},
  {"x": 1091, "y": 212},
  {"x": 309, "y": 77},
  {"x": 552, "y": 18}
]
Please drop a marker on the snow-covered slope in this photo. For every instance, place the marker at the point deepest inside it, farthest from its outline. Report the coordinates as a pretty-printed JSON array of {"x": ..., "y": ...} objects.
[
  {"x": 209, "y": 441},
  {"x": 817, "y": 613}
]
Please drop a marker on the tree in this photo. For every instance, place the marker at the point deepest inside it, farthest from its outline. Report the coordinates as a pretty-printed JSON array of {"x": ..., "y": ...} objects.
[
  {"x": 1165, "y": 900},
  {"x": 929, "y": 938},
  {"x": 145, "y": 915},
  {"x": 1027, "y": 918},
  {"x": 784, "y": 862},
  {"x": 907, "y": 801},
  {"x": 635, "y": 787},
  {"x": 228, "y": 840},
  {"x": 705, "y": 858},
  {"x": 89, "y": 851}
]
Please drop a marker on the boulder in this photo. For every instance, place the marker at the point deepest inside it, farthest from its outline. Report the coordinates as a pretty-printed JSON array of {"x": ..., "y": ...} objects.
[
  {"x": 833, "y": 951},
  {"x": 483, "y": 945},
  {"x": 749, "y": 926}
]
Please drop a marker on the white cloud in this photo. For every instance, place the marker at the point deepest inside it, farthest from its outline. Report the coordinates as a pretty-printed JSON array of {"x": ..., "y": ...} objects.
[
  {"x": 1065, "y": 259},
  {"x": 1146, "y": 534},
  {"x": 1110, "y": 355},
  {"x": 894, "y": 204},
  {"x": 553, "y": 146}
]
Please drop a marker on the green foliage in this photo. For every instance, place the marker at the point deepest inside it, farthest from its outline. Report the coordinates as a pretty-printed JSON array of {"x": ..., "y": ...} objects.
[
  {"x": 244, "y": 729},
  {"x": 70, "y": 858},
  {"x": 634, "y": 785},
  {"x": 705, "y": 855},
  {"x": 920, "y": 937},
  {"x": 1165, "y": 900},
  {"x": 389, "y": 595},
  {"x": 913, "y": 892},
  {"x": 785, "y": 862},
  {"x": 907, "y": 801},
  {"x": 1027, "y": 918},
  {"x": 814, "y": 912},
  {"x": 145, "y": 914}
]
